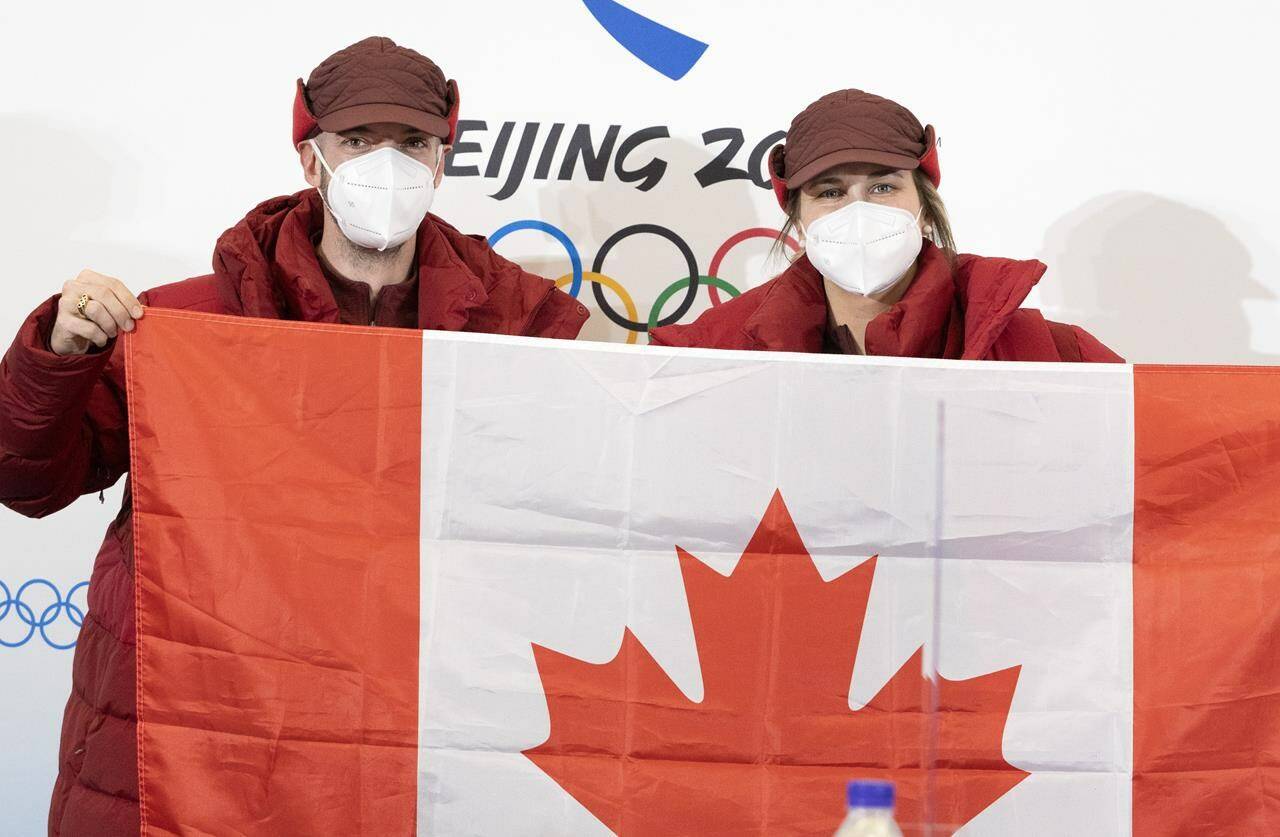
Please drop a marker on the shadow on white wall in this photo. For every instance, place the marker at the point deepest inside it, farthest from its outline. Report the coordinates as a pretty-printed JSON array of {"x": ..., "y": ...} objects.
[{"x": 1157, "y": 280}]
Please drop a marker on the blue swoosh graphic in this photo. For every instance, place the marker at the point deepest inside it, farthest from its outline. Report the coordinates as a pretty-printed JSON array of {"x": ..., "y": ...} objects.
[{"x": 664, "y": 49}]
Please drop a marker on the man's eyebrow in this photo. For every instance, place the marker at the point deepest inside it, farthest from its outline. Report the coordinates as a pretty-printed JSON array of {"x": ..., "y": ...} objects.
[
  {"x": 825, "y": 179},
  {"x": 365, "y": 133}
]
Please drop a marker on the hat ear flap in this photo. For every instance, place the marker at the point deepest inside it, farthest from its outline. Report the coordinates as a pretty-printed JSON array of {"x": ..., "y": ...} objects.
[
  {"x": 304, "y": 121},
  {"x": 776, "y": 176},
  {"x": 454, "y": 101},
  {"x": 929, "y": 160}
]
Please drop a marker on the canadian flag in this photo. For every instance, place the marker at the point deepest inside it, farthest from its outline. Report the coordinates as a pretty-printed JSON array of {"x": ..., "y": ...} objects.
[{"x": 392, "y": 583}]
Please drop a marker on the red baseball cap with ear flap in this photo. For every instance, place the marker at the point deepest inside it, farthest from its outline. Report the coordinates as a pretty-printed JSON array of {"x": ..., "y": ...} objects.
[
  {"x": 375, "y": 80},
  {"x": 851, "y": 126}
]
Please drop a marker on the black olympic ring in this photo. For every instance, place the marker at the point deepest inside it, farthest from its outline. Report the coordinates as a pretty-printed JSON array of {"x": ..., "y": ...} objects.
[{"x": 636, "y": 229}]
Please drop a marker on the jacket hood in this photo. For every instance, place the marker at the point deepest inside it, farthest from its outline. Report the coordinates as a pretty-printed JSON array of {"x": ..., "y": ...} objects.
[
  {"x": 269, "y": 259},
  {"x": 952, "y": 307}
]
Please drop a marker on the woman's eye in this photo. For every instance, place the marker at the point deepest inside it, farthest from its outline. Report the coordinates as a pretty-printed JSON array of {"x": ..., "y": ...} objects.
[
  {"x": 882, "y": 189},
  {"x": 829, "y": 193}
]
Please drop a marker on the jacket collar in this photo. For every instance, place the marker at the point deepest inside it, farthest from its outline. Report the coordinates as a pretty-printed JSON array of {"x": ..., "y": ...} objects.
[
  {"x": 953, "y": 310},
  {"x": 269, "y": 257}
]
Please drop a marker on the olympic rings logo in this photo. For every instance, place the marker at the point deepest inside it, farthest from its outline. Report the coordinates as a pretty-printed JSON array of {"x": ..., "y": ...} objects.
[
  {"x": 24, "y": 612},
  {"x": 599, "y": 281}
]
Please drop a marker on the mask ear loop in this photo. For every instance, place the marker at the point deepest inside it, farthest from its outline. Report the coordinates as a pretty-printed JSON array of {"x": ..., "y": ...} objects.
[
  {"x": 323, "y": 199},
  {"x": 320, "y": 157},
  {"x": 439, "y": 166}
]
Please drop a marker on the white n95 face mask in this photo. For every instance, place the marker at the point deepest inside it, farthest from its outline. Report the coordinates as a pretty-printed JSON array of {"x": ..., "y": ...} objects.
[
  {"x": 379, "y": 198},
  {"x": 864, "y": 247}
]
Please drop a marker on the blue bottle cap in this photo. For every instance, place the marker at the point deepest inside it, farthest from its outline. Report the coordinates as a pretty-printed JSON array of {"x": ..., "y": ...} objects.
[{"x": 870, "y": 793}]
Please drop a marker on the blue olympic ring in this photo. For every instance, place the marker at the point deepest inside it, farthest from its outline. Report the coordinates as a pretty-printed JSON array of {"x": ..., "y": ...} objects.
[
  {"x": 25, "y": 614},
  {"x": 689, "y": 282},
  {"x": 558, "y": 234}
]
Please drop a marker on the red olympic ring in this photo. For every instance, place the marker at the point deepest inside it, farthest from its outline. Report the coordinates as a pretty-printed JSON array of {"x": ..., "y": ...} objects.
[{"x": 733, "y": 241}]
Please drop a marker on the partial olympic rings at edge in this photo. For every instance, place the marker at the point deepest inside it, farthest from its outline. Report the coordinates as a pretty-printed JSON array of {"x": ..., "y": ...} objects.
[
  {"x": 599, "y": 281},
  {"x": 13, "y": 603}
]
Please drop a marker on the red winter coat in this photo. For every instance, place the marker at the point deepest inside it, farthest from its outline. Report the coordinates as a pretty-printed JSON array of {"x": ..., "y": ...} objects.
[
  {"x": 966, "y": 310},
  {"x": 64, "y": 433}
]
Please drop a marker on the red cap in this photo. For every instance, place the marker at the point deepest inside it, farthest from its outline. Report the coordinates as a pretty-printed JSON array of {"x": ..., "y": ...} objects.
[
  {"x": 375, "y": 80},
  {"x": 851, "y": 126}
]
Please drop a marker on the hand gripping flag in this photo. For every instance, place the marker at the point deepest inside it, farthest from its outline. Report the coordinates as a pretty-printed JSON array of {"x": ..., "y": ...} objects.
[{"x": 401, "y": 583}]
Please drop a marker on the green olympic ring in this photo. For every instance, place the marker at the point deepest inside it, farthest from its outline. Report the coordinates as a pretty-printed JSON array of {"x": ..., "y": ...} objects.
[{"x": 655, "y": 313}]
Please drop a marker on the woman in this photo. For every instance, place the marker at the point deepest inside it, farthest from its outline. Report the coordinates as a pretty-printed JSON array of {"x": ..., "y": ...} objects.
[{"x": 879, "y": 273}]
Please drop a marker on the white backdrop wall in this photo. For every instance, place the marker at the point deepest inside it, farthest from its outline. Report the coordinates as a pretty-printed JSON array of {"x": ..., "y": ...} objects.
[{"x": 1128, "y": 145}]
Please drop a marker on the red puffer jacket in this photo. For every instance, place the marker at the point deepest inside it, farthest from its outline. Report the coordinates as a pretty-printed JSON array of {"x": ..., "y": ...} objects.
[
  {"x": 64, "y": 432},
  {"x": 969, "y": 309}
]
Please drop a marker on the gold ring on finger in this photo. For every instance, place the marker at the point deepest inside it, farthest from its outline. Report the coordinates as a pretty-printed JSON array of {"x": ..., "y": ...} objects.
[{"x": 81, "y": 302}]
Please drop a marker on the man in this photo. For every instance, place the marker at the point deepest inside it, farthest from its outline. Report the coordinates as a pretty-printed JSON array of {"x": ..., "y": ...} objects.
[{"x": 372, "y": 126}]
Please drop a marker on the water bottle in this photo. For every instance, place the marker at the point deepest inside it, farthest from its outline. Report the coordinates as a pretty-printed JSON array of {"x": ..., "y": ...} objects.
[{"x": 870, "y": 811}]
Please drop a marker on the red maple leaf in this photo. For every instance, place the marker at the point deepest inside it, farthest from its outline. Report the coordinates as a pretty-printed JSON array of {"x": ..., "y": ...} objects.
[{"x": 773, "y": 741}]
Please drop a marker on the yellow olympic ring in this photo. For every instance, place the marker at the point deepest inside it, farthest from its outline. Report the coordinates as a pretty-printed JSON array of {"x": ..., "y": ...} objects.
[{"x": 611, "y": 284}]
